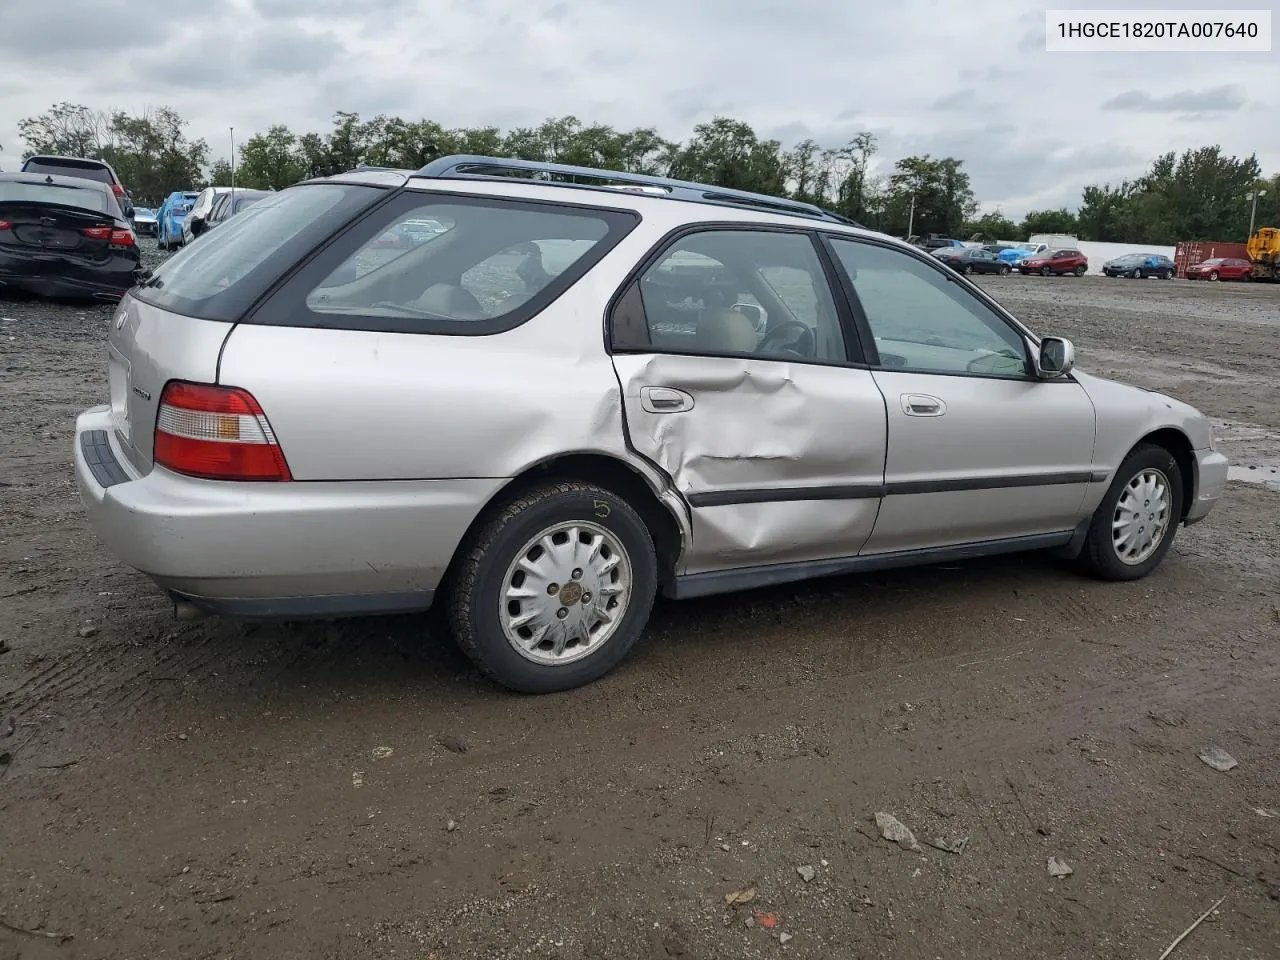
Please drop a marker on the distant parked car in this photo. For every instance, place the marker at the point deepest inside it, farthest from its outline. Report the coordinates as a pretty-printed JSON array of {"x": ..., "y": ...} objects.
[
  {"x": 971, "y": 260},
  {"x": 227, "y": 205},
  {"x": 1055, "y": 262},
  {"x": 64, "y": 237},
  {"x": 194, "y": 223},
  {"x": 170, "y": 217},
  {"x": 85, "y": 169},
  {"x": 1139, "y": 266},
  {"x": 934, "y": 243},
  {"x": 144, "y": 221},
  {"x": 1221, "y": 268}
]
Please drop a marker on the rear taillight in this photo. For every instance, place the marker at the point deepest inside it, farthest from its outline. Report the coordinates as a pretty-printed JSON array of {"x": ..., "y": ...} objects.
[
  {"x": 117, "y": 190},
  {"x": 97, "y": 233},
  {"x": 5, "y": 224},
  {"x": 121, "y": 238},
  {"x": 218, "y": 433}
]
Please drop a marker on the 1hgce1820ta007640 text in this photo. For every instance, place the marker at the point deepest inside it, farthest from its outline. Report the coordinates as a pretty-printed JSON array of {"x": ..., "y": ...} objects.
[{"x": 1236, "y": 31}]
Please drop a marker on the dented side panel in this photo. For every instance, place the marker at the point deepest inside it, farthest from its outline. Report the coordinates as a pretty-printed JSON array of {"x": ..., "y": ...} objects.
[{"x": 757, "y": 431}]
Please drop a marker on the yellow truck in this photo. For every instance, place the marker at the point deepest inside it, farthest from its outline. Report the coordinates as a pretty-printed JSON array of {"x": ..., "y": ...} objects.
[{"x": 1264, "y": 253}]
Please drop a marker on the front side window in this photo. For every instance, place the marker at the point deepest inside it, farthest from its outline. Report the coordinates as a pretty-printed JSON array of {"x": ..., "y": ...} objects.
[
  {"x": 922, "y": 320},
  {"x": 464, "y": 262},
  {"x": 734, "y": 293}
]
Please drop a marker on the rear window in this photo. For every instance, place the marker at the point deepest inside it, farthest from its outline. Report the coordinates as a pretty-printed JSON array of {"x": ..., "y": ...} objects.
[
  {"x": 85, "y": 169},
  {"x": 435, "y": 263},
  {"x": 86, "y": 198},
  {"x": 220, "y": 277}
]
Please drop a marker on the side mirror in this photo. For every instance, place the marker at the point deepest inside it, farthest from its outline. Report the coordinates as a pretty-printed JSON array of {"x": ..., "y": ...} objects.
[
  {"x": 1055, "y": 358},
  {"x": 129, "y": 212}
]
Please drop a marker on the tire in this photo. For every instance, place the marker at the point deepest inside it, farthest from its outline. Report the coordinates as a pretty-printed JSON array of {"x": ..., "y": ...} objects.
[
  {"x": 968, "y": 269},
  {"x": 1080, "y": 271},
  {"x": 1213, "y": 274},
  {"x": 477, "y": 613},
  {"x": 1101, "y": 555},
  {"x": 1003, "y": 271},
  {"x": 1046, "y": 272},
  {"x": 1166, "y": 275}
]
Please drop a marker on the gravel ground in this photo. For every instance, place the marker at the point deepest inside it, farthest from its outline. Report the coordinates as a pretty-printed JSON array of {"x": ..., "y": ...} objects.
[{"x": 355, "y": 790}]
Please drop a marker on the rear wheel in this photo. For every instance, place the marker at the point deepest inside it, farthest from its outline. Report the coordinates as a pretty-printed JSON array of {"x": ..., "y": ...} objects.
[
  {"x": 968, "y": 269},
  {"x": 554, "y": 591},
  {"x": 1166, "y": 275},
  {"x": 1134, "y": 526},
  {"x": 1046, "y": 272}
]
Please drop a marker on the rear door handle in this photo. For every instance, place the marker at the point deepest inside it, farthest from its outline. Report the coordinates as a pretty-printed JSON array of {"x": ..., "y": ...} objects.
[
  {"x": 922, "y": 405},
  {"x": 665, "y": 400}
]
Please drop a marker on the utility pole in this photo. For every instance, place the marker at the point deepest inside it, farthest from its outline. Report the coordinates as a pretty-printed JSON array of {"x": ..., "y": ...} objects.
[
  {"x": 233, "y": 165},
  {"x": 911, "y": 217},
  {"x": 1253, "y": 211}
]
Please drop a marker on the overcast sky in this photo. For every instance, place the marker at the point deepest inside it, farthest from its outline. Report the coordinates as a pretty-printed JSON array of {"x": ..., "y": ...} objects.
[{"x": 966, "y": 78}]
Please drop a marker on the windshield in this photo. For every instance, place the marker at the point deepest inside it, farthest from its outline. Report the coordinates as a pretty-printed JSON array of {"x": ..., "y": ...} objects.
[{"x": 14, "y": 191}]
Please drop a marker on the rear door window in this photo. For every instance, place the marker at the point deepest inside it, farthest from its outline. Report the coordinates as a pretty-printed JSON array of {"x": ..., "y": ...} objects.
[{"x": 431, "y": 263}]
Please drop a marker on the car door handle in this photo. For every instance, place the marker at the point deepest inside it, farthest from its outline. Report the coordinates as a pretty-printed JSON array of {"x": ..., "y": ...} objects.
[
  {"x": 922, "y": 405},
  {"x": 665, "y": 400}
]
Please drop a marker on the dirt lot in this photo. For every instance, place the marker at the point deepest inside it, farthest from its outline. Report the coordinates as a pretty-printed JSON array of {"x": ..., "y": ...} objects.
[{"x": 354, "y": 790}]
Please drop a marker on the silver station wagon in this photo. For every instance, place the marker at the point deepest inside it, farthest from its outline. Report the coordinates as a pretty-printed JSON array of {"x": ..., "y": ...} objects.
[{"x": 579, "y": 388}]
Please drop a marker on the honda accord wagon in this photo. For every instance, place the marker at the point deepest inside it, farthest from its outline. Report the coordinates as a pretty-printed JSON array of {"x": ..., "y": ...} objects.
[{"x": 581, "y": 389}]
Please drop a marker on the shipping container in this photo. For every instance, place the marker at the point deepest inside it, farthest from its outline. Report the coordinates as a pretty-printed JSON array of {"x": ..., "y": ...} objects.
[{"x": 1190, "y": 252}]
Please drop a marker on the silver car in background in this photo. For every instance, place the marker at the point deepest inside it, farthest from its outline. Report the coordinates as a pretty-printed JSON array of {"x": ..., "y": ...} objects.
[{"x": 572, "y": 396}]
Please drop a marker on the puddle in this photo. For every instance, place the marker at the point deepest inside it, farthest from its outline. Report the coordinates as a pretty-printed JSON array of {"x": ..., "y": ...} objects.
[{"x": 1264, "y": 473}]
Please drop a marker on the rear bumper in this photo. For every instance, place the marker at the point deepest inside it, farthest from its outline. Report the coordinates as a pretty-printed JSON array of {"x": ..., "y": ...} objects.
[
  {"x": 55, "y": 277},
  {"x": 1211, "y": 481},
  {"x": 296, "y": 550}
]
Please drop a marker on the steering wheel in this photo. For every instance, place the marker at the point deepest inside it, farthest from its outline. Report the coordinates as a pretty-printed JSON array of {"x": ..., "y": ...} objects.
[{"x": 804, "y": 344}]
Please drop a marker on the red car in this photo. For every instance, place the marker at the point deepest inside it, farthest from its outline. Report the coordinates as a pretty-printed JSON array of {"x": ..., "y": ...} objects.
[
  {"x": 1058, "y": 262},
  {"x": 1221, "y": 268}
]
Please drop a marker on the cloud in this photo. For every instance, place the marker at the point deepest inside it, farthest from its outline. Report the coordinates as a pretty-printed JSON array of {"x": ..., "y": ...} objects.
[
  {"x": 926, "y": 76},
  {"x": 1224, "y": 99}
]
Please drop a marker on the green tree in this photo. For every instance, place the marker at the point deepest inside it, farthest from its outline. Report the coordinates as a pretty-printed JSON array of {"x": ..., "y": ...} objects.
[
  {"x": 727, "y": 153},
  {"x": 928, "y": 196},
  {"x": 152, "y": 154},
  {"x": 270, "y": 161},
  {"x": 66, "y": 129},
  {"x": 991, "y": 227},
  {"x": 1061, "y": 220}
]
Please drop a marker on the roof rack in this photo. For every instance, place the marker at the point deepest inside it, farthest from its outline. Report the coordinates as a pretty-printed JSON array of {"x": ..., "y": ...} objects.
[{"x": 471, "y": 167}]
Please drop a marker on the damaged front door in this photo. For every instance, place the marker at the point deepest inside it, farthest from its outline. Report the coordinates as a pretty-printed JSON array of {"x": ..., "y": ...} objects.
[{"x": 739, "y": 381}]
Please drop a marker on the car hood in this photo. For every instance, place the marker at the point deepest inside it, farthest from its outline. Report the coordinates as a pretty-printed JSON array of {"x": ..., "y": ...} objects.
[{"x": 1143, "y": 410}]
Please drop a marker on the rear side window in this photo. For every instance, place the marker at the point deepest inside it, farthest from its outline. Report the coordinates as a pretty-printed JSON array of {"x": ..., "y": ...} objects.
[
  {"x": 69, "y": 168},
  {"x": 89, "y": 198},
  {"x": 436, "y": 263},
  {"x": 220, "y": 277}
]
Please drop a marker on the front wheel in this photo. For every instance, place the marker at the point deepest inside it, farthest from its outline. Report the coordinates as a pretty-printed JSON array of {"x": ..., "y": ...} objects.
[
  {"x": 1166, "y": 275},
  {"x": 1004, "y": 271},
  {"x": 1134, "y": 526},
  {"x": 1213, "y": 274},
  {"x": 968, "y": 269},
  {"x": 1046, "y": 272},
  {"x": 554, "y": 591}
]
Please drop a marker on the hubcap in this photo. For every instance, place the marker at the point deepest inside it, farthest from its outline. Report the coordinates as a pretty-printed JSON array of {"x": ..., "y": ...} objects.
[
  {"x": 565, "y": 593},
  {"x": 1141, "y": 520}
]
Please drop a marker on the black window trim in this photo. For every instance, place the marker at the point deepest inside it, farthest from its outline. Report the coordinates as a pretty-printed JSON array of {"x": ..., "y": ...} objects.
[
  {"x": 286, "y": 307},
  {"x": 853, "y": 341},
  {"x": 867, "y": 336}
]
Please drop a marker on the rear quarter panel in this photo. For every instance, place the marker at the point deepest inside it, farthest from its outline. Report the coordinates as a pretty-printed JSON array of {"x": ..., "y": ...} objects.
[{"x": 355, "y": 405}]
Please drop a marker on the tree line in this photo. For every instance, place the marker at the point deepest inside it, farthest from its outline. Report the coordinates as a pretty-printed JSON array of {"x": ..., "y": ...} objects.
[{"x": 1198, "y": 195}]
